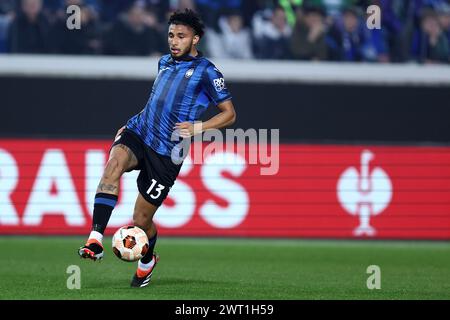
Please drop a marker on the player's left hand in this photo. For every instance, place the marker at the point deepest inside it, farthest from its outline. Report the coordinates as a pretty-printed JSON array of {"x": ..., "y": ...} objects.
[{"x": 187, "y": 129}]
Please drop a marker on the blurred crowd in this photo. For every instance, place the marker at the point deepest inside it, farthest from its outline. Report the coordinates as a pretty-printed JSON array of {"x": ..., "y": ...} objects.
[{"x": 319, "y": 30}]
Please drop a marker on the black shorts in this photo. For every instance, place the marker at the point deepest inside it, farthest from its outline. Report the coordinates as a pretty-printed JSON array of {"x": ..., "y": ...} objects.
[{"x": 158, "y": 172}]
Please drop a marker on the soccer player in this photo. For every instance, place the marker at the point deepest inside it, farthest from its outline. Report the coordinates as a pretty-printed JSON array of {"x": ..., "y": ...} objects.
[{"x": 186, "y": 84}]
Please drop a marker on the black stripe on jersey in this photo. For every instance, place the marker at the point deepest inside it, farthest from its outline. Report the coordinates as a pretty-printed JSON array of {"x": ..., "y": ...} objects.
[
  {"x": 160, "y": 102},
  {"x": 198, "y": 90},
  {"x": 184, "y": 85}
]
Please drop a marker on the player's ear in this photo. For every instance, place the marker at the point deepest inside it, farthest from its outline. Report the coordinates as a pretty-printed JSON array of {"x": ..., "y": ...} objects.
[{"x": 196, "y": 39}]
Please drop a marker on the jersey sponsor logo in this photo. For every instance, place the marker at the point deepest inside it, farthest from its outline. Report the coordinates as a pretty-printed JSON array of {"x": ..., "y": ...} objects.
[
  {"x": 189, "y": 73},
  {"x": 219, "y": 84}
]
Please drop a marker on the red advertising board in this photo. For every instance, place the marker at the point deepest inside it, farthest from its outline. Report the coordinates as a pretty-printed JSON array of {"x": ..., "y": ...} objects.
[{"x": 319, "y": 191}]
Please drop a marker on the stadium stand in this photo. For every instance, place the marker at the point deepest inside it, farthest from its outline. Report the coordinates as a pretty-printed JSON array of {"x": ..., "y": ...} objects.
[{"x": 319, "y": 30}]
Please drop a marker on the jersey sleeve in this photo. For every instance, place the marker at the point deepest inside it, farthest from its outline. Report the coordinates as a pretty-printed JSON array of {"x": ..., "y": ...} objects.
[
  {"x": 214, "y": 85},
  {"x": 159, "y": 64},
  {"x": 162, "y": 62}
]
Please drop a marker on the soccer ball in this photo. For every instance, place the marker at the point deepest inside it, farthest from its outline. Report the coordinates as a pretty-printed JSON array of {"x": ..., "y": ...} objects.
[{"x": 130, "y": 243}]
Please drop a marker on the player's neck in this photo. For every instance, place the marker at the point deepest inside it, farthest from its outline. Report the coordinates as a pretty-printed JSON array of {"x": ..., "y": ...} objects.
[{"x": 194, "y": 52}]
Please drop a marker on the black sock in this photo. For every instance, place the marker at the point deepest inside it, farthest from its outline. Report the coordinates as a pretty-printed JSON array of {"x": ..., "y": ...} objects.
[
  {"x": 103, "y": 207},
  {"x": 151, "y": 246}
]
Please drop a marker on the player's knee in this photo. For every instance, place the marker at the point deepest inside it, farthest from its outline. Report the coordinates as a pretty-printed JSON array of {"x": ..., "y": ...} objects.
[{"x": 113, "y": 170}]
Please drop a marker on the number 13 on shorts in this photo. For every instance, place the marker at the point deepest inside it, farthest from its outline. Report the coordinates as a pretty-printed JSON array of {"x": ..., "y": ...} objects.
[{"x": 158, "y": 189}]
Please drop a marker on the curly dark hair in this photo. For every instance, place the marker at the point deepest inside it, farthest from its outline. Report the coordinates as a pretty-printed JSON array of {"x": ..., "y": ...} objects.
[{"x": 188, "y": 18}]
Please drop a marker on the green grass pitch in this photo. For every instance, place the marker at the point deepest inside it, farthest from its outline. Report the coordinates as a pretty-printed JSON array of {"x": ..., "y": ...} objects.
[{"x": 192, "y": 268}]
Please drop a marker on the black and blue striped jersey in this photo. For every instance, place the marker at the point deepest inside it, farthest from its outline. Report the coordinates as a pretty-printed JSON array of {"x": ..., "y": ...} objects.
[{"x": 181, "y": 92}]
